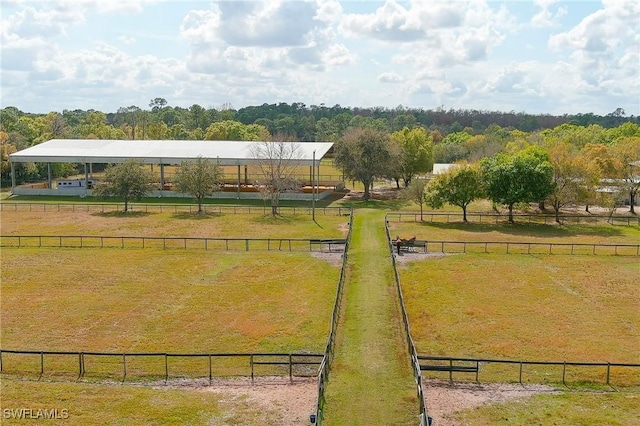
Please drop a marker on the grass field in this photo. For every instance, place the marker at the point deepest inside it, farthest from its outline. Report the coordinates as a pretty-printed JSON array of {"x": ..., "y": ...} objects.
[
  {"x": 114, "y": 404},
  {"x": 567, "y": 409},
  {"x": 149, "y": 300}
]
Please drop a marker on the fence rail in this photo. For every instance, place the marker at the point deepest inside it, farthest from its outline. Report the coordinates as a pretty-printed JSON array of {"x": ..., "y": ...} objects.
[
  {"x": 448, "y": 217},
  {"x": 425, "y": 419},
  {"x": 157, "y": 364},
  {"x": 511, "y": 247},
  {"x": 451, "y": 365},
  {"x": 323, "y": 375},
  {"x": 168, "y": 208},
  {"x": 203, "y": 243}
]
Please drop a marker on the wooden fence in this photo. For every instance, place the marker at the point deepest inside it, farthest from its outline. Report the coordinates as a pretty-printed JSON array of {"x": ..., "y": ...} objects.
[
  {"x": 486, "y": 218},
  {"x": 202, "y": 243},
  {"x": 425, "y": 419},
  {"x": 323, "y": 375},
  {"x": 465, "y": 366},
  {"x": 510, "y": 247},
  {"x": 158, "y": 365},
  {"x": 168, "y": 208}
]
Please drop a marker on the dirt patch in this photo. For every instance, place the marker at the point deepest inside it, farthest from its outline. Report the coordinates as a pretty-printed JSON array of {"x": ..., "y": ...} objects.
[
  {"x": 288, "y": 402},
  {"x": 413, "y": 256},
  {"x": 332, "y": 258},
  {"x": 443, "y": 398}
]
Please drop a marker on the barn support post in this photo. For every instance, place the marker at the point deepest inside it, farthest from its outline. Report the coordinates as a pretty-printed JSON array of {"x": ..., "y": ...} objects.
[
  {"x": 13, "y": 176},
  {"x": 313, "y": 196},
  {"x": 238, "y": 193},
  {"x": 161, "y": 178},
  {"x": 246, "y": 175},
  {"x": 49, "y": 175},
  {"x": 86, "y": 178}
]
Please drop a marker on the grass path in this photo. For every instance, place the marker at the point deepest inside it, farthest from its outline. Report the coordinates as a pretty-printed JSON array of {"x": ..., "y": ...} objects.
[{"x": 371, "y": 380}]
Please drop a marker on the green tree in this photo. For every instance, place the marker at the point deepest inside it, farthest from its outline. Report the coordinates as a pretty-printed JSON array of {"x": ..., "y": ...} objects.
[
  {"x": 459, "y": 186},
  {"x": 526, "y": 176},
  {"x": 276, "y": 165},
  {"x": 129, "y": 180},
  {"x": 364, "y": 154},
  {"x": 416, "y": 152},
  {"x": 199, "y": 178}
]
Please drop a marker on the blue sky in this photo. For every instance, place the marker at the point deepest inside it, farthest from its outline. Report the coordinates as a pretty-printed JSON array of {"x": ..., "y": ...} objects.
[{"x": 538, "y": 56}]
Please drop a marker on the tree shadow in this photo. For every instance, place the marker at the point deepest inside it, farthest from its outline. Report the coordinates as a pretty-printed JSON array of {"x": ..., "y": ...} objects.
[
  {"x": 122, "y": 213},
  {"x": 269, "y": 219},
  {"x": 196, "y": 215}
]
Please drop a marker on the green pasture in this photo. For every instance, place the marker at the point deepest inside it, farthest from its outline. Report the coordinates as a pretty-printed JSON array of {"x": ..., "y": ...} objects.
[
  {"x": 566, "y": 409},
  {"x": 177, "y": 301},
  {"x": 92, "y": 404}
]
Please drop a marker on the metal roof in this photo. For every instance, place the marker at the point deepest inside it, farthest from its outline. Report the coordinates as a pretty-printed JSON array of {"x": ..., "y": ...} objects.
[{"x": 154, "y": 151}]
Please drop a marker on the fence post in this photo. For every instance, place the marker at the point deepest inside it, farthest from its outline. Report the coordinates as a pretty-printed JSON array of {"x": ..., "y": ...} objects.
[
  {"x": 79, "y": 365},
  {"x": 166, "y": 368},
  {"x": 450, "y": 370},
  {"x": 251, "y": 363},
  {"x": 41, "y": 363},
  {"x": 210, "y": 375},
  {"x": 608, "y": 372},
  {"x": 564, "y": 370},
  {"x": 124, "y": 366},
  {"x": 520, "y": 378},
  {"x": 290, "y": 369}
]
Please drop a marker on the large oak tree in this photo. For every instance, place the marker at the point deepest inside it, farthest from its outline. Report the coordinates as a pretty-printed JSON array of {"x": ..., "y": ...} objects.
[{"x": 364, "y": 154}]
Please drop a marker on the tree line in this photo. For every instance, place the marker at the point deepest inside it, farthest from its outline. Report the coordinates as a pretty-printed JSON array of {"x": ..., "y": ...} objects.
[
  {"x": 553, "y": 167},
  {"x": 371, "y": 143}
]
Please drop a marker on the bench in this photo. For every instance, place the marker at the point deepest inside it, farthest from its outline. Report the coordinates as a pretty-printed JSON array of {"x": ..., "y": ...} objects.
[
  {"x": 409, "y": 245},
  {"x": 330, "y": 242}
]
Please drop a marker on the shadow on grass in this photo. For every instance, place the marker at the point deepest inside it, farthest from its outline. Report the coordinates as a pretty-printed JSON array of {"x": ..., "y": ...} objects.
[
  {"x": 527, "y": 229},
  {"x": 269, "y": 219},
  {"x": 196, "y": 216},
  {"x": 122, "y": 213},
  {"x": 375, "y": 204}
]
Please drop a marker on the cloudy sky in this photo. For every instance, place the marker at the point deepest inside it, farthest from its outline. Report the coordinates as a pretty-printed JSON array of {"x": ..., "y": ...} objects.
[{"x": 538, "y": 56}]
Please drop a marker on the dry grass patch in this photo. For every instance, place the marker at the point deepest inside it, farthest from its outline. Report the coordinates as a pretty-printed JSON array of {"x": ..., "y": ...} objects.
[{"x": 164, "y": 300}]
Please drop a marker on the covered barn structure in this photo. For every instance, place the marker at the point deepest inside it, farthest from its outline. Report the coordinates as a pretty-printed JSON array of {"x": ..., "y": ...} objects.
[{"x": 236, "y": 157}]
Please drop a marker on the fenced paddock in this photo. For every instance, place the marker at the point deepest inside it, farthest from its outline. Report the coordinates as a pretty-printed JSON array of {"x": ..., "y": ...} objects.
[
  {"x": 167, "y": 208},
  {"x": 153, "y": 366},
  {"x": 527, "y": 372},
  {"x": 494, "y": 218},
  {"x": 214, "y": 244}
]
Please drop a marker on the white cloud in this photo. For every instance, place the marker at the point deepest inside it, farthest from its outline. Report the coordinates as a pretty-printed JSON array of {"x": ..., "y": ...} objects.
[
  {"x": 390, "y": 77},
  {"x": 390, "y": 22},
  {"x": 546, "y": 17}
]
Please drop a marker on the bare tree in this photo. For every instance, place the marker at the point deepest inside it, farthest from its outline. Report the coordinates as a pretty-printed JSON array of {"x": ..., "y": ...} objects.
[{"x": 275, "y": 166}]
